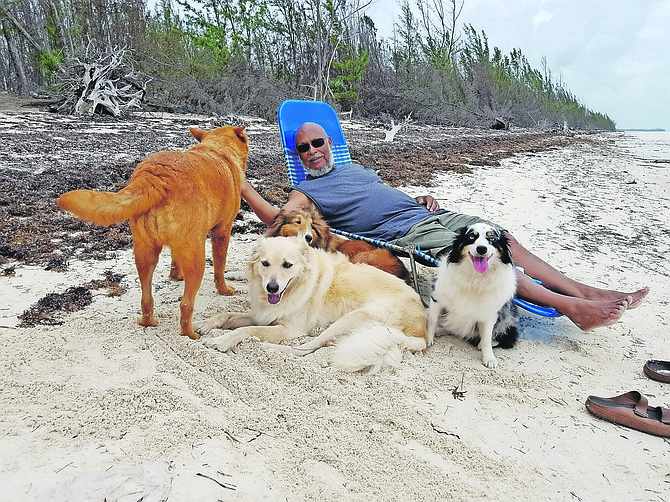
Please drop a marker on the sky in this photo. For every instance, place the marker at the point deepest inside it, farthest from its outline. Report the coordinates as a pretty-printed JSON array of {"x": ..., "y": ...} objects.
[{"x": 612, "y": 55}]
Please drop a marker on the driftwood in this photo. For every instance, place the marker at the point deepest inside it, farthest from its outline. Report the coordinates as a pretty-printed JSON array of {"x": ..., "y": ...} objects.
[
  {"x": 500, "y": 123},
  {"x": 395, "y": 128},
  {"x": 101, "y": 82}
]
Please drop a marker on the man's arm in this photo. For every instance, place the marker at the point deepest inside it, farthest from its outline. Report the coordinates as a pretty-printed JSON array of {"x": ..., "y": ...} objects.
[
  {"x": 263, "y": 209},
  {"x": 266, "y": 211}
]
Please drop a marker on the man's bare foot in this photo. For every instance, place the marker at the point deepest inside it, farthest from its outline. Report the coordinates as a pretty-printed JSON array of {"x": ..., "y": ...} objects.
[
  {"x": 589, "y": 314},
  {"x": 634, "y": 299},
  {"x": 637, "y": 297}
]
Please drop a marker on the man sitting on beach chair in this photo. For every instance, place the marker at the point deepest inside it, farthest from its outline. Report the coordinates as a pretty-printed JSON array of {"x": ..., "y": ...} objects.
[{"x": 354, "y": 199}]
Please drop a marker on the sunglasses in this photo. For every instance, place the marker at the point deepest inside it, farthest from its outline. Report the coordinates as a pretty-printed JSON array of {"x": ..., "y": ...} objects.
[{"x": 316, "y": 143}]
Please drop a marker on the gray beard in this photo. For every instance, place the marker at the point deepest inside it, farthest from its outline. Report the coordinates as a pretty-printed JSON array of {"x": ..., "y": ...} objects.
[{"x": 315, "y": 173}]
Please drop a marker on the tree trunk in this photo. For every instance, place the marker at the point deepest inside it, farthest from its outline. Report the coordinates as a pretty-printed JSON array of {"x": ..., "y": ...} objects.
[
  {"x": 318, "y": 91},
  {"x": 19, "y": 27},
  {"x": 23, "y": 88},
  {"x": 62, "y": 35}
]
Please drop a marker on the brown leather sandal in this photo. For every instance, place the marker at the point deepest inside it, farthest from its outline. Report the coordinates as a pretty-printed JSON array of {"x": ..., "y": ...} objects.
[
  {"x": 631, "y": 410},
  {"x": 658, "y": 370}
]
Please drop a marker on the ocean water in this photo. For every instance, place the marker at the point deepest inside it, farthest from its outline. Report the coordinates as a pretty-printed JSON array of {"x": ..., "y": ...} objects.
[{"x": 653, "y": 145}]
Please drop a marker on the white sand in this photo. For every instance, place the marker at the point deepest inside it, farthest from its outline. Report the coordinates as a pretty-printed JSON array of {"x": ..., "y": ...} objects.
[{"x": 100, "y": 408}]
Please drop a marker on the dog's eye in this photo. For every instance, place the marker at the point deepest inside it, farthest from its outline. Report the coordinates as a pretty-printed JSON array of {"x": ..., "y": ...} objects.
[
  {"x": 287, "y": 265},
  {"x": 473, "y": 236},
  {"x": 265, "y": 263}
]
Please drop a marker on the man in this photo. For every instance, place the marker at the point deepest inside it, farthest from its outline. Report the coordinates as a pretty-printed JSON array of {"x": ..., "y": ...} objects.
[{"x": 355, "y": 199}]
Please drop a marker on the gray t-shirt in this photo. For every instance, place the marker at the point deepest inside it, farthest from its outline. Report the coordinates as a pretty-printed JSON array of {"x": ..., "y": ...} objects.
[{"x": 354, "y": 199}]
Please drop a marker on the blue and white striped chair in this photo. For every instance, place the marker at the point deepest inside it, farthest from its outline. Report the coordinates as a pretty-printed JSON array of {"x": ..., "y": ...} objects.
[{"x": 291, "y": 115}]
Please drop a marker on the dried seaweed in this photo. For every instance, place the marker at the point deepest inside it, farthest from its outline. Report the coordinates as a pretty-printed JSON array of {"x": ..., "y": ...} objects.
[{"x": 50, "y": 309}]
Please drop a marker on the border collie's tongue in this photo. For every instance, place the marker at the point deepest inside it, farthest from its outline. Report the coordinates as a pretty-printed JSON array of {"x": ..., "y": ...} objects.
[
  {"x": 274, "y": 298},
  {"x": 481, "y": 263}
]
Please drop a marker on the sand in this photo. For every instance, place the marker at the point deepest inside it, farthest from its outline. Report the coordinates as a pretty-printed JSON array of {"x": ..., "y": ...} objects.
[{"x": 100, "y": 408}]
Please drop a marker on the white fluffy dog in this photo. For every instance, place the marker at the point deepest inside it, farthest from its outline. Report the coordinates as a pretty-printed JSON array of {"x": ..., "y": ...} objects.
[
  {"x": 293, "y": 288},
  {"x": 473, "y": 291}
]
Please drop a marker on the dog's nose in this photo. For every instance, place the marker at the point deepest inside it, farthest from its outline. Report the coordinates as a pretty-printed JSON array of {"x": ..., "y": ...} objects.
[
  {"x": 272, "y": 287},
  {"x": 309, "y": 238},
  {"x": 482, "y": 250}
]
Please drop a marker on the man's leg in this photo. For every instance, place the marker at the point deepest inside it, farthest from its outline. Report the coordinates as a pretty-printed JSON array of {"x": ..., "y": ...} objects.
[{"x": 588, "y": 307}]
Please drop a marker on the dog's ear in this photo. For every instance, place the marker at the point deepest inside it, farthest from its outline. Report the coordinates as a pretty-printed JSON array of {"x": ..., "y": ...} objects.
[
  {"x": 306, "y": 252},
  {"x": 279, "y": 220},
  {"x": 320, "y": 228},
  {"x": 197, "y": 133},
  {"x": 505, "y": 255},
  {"x": 255, "y": 255},
  {"x": 239, "y": 132},
  {"x": 453, "y": 252}
]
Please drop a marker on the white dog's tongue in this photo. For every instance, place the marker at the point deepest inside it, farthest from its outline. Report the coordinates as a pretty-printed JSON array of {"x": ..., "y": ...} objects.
[
  {"x": 481, "y": 263},
  {"x": 274, "y": 298}
]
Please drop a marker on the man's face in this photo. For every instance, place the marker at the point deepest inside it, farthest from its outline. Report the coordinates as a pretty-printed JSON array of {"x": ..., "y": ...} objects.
[{"x": 315, "y": 150}]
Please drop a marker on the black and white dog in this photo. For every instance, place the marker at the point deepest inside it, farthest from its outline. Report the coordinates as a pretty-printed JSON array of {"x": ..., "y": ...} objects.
[{"x": 473, "y": 291}]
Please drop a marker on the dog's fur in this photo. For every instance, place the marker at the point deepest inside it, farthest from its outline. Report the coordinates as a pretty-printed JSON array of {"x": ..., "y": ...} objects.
[
  {"x": 473, "y": 291},
  {"x": 293, "y": 288},
  {"x": 174, "y": 199},
  {"x": 310, "y": 224}
]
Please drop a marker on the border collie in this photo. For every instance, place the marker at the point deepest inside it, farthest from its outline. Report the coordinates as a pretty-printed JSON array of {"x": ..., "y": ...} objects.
[{"x": 473, "y": 291}]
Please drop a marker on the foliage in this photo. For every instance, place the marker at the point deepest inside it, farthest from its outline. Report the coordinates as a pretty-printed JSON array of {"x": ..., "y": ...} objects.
[
  {"x": 407, "y": 47},
  {"x": 347, "y": 73},
  {"x": 234, "y": 56},
  {"x": 48, "y": 61}
]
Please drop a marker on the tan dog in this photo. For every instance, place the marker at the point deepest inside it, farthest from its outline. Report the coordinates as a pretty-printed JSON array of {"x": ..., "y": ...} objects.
[
  {"x": 293, "y": 288},
  {"x": 174, "y": 199},
  {"x": 310, "y": 224}
]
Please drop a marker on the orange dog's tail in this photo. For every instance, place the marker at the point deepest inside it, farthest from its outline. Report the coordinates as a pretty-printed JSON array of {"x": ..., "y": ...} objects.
[{"x": 105, "y": 208}]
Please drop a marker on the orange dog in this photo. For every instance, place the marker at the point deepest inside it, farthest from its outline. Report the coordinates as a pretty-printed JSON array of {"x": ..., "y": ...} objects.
[
  {"x": 310, "y": 223},
  {"x": 174, "y": 199}
]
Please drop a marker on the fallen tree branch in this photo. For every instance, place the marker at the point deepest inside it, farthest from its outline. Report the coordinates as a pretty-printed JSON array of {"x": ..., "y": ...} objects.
[
  {"x": 395, "y": 128},
  {"x": 21, "y": 29}
]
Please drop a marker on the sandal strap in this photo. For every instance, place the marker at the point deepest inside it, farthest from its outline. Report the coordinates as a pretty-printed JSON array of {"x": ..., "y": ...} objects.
[
  {"x": 665, "y": 415},
  {"x": 641, "y": 407}
]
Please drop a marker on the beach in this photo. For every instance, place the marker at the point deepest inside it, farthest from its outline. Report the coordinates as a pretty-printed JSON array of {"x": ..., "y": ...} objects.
[{"x": 99, "y": 408}]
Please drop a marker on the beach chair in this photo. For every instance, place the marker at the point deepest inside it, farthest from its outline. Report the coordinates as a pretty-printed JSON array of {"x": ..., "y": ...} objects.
[{"x": 291, "y": 115}]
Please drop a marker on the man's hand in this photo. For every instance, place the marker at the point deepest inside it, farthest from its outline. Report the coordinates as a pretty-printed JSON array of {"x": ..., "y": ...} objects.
[{"x": 428, "y": 201}]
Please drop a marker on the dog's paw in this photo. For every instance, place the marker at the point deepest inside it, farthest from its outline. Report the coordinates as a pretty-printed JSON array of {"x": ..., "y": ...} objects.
[
  {"x": 224, "y": 289},
  {"x": 222, "y": 343},
  {"x": 490, "y": 361},
  {"x": 205, "y": 327}
]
